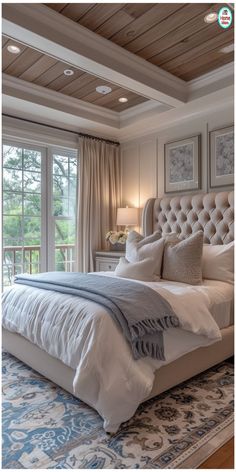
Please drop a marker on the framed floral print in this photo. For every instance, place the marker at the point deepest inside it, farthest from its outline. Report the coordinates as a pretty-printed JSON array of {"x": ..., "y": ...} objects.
[
  {"x": 222, "y": 157},
  {"x": 182, "y": 164}
]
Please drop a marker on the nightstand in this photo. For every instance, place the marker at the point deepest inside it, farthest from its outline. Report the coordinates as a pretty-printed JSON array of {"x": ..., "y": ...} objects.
[{"x": 107, "y": 260}]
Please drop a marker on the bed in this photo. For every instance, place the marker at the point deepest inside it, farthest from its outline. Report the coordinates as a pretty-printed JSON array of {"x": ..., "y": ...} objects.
[{"x": 213, "y": 214}]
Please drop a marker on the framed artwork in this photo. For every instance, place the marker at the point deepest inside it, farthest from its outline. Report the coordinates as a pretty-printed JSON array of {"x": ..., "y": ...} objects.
[
  {"x": 182, "y": 164},
  {"x": 222, "y": 157}
]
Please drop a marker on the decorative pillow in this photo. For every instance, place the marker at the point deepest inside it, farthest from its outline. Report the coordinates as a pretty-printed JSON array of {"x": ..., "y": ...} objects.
[
  {"x": 182, "y": 261},
  {"x": 141, "y": 270},
  {"x": 218, "y": 262},
  {"x": 139, "y": 248},
  {"x": 134, "y": 236},
  {"x": 137, "y": 237}
]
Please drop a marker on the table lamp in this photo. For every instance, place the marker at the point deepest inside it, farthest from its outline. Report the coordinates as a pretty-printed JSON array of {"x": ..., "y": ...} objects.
[{"x": 127, "y": 217}]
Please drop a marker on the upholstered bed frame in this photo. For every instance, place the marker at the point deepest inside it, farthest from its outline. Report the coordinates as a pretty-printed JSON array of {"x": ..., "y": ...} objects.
[{"x": 213, "y": 213}]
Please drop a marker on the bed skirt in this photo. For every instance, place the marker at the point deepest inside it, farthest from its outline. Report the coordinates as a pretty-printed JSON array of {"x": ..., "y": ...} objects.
[{"x": 166, "y": 377}]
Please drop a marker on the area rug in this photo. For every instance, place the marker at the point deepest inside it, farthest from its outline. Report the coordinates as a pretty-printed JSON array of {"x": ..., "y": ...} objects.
[{"x": 46, "y": 427}]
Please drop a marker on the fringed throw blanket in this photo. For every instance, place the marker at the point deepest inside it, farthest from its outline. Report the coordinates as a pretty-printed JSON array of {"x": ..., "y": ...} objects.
[{"x": 141, "y": 313}]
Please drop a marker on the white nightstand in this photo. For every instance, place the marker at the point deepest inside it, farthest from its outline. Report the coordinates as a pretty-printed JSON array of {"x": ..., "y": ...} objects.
[{"x": 107, "y": 260}]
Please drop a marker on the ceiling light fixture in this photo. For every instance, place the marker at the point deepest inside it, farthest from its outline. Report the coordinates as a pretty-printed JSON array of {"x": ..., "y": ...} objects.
[
  {"x": 13, "y": 49},
  {"x": 123, "y": 100},
  {"x": 210, "y": 18},
  {"x": 227, "y": 49},
  {"x": 68, "y": 72},
  {"x": 103, "y": 89}
]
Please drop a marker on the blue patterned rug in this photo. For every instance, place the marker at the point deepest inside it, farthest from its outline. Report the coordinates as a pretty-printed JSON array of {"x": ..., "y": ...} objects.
[{"x": 45, "y": 427}]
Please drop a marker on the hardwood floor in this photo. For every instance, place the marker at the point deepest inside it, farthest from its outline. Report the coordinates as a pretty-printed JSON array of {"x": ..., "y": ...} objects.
[{"x": 223, "y": 458}]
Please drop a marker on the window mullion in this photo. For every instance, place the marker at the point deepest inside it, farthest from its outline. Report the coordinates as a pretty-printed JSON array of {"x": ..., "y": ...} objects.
[
  {"x": 50, "y": 217},
  {"x": 44, "y": 255}
]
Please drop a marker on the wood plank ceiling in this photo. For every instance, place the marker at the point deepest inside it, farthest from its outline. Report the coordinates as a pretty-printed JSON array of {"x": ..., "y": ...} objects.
[
  {"x": 33, "y": 66},
  {"x": 173, "y": 36}
]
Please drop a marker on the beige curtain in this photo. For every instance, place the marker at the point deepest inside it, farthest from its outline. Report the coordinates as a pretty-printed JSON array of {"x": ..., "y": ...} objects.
[{"x": 99, "y": 196}]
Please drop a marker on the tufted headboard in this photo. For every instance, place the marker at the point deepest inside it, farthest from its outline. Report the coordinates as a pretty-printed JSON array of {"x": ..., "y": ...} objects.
[{"x": 211, "y": 212}]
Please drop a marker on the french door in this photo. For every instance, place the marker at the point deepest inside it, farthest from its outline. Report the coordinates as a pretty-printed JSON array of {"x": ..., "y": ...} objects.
[
  {"x": 62, "y": 204},
  {"x": 39, "y": 209}
]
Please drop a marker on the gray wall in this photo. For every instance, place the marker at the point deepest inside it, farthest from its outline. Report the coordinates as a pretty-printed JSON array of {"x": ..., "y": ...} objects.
[{"x": 143, "y": 158}]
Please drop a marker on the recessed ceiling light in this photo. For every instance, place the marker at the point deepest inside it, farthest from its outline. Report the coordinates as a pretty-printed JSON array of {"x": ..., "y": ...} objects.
[
  {"x": 227, "y": 49},
  {"x": 103, "y": 89},
  {"x": 13, "y": 49},
  {"x": 68, "y": 72},
  {"x": 123, "y": 100},
  {"x": 210, "y": 18}
]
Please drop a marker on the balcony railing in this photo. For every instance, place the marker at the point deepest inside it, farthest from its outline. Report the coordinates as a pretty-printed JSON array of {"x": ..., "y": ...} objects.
[{"x": 18, "y": 259}]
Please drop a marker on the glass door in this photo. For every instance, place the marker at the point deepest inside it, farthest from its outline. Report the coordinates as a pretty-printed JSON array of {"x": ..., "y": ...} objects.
[
  {"x": 39, "y": 209},
  {"x": 23, "y": 211},
  {"x": 64, "y": 168}
]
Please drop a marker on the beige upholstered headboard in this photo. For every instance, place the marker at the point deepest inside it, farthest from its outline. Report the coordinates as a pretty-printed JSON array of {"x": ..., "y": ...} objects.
[{"x": 213, "y": 213}]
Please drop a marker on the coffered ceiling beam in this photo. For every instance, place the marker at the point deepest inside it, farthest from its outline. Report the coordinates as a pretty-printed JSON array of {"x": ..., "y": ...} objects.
[
  {"x": 42, "y": 28},
  {"x": 14, "y": 108},
  {"x": 20, "y": 89},
  {"x": 198, "y": 108},
  {"x": 134, "y": 123}
]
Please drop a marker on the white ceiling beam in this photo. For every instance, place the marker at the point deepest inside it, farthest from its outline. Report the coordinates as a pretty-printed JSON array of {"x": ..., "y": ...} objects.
[
  {"x": 36, "y": 94},
  {"x": 17, "y": 108},
  {"x": 211, "y": 82},
  {"x": 135, "y": 121},
  {"x": 209, "y": 104},
  {"x": 44, "y": 29},
  {"x": 132, "y": 128}
]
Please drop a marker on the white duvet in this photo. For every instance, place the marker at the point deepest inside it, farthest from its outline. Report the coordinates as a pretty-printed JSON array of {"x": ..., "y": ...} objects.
[{"x": 84, "y": 336}]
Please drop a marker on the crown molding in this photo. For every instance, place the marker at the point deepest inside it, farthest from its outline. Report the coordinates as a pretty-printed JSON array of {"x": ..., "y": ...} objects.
[
  {"x": 44, "y": 115},
  {"x": 13, "y": 126},
  {"x": 143, "y": 108},
  {"x": 36, "y": 94},
  {"x": 200, "y": 107},
  {"x": 30, "y": 92},
  {"x": 140, "y": 112},
  {"x": 212, "y": 81},
  {"x": 217, "y": 74},
  {"x": 44, "y": 29},
  {"x": 31, "y": 101},
  {"x": 135, "y": 128}
]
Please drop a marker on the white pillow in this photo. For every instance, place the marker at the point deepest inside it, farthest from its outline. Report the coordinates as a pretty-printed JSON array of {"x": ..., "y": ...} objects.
[
  {"x": 141, "y": 270},
  {"x": 218, "y": 262},
  {"x": 136, "y": 237},
  {"x": 139, "y": 248}
]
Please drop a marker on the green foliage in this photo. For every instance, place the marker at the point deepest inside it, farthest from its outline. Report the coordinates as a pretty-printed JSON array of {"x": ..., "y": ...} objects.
[{"x": 22, "y": 205}]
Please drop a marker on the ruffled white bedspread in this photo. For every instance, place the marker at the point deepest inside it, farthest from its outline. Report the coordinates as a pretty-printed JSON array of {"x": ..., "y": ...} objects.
[{"x": 83, "y": 335}]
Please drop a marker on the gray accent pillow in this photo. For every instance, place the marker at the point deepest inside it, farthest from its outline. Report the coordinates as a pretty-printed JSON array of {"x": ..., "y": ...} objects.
[
  {"x": 182, "y": 261},
  {"x": 141, "y": 270},
  {"x": 139, "y": 248}
]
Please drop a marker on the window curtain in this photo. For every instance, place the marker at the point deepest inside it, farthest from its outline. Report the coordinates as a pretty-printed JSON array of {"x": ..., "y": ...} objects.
[{"x": 99, "y": 197}]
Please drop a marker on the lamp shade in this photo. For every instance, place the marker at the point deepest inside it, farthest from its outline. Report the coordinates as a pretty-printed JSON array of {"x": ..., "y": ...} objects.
[{"x": 127, "y": 216}]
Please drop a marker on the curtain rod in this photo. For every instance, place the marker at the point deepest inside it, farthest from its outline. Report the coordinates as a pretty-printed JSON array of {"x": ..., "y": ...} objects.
[{"x": 96, "y": 138}]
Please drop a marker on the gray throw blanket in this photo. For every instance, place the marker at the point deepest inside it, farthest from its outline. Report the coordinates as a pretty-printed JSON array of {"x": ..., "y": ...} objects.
[{"x": 141, "y": 313}]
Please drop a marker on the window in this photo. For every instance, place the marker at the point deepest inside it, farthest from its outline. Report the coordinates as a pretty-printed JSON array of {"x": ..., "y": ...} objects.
[
  {"x": 39, "y": 209},
  {"x": 64, "y": 179}
]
